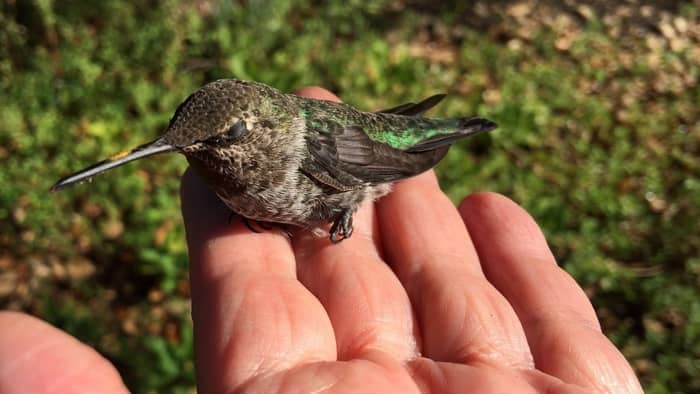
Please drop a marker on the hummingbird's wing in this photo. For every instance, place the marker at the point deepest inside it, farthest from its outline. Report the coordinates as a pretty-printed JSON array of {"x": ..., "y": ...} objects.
[{"x": 345, "y": 157}]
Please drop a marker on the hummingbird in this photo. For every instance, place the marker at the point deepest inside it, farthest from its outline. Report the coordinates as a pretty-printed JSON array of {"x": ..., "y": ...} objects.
[{"x": 282, "y": 158}]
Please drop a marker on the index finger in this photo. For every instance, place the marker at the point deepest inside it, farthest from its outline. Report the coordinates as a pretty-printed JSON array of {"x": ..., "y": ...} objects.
[{"x": 251, "y": 316}]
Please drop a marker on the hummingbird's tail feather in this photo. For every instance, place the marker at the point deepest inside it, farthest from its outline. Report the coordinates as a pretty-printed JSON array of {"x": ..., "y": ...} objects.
[
  {"x": 142, "y": 151},
  {"x": 465, "y": 128},
  {"x": 413, "y": 109}
]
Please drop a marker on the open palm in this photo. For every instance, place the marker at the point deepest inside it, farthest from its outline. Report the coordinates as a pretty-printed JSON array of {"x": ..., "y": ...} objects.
[{"x": 422, "y": 298}]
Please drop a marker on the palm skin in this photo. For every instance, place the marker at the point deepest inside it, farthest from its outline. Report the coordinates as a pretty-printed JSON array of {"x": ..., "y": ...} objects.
[{"x": 423, "y": 298}]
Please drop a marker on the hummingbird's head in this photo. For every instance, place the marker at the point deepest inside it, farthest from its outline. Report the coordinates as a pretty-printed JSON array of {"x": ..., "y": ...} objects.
[{"x": 218, "y": 113}]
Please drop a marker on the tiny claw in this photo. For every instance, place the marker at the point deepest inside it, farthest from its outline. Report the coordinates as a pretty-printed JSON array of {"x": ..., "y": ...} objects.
[
  {"x": 247, "y": 224},
  {"x": 336, "y": 236},
  {"x": 342, "y": 227},
  {"x": 263, "y": 225}
]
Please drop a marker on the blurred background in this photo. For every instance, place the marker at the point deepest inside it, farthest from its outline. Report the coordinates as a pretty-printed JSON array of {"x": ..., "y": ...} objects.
[{"x": 597, "y": 101}]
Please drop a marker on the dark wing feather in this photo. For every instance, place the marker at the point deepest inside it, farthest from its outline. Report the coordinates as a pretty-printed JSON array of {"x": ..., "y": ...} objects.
[
  {"x": 396, "y": 110},
  {"x": 354, "y": 147},
  {"x": 412, "y": 109},
  {"x": 347, "y": 158}
]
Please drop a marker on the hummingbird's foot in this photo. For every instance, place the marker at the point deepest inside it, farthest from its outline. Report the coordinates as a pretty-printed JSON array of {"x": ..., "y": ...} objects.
[
  {"x": 342, "y": 227},
  {"x": 250, "y": 226},
  {"x": 264, "y": 226}
]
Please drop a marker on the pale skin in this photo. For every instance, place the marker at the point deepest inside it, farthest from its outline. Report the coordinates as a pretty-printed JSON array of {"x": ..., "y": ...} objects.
[{"x": 424, "y": 297}]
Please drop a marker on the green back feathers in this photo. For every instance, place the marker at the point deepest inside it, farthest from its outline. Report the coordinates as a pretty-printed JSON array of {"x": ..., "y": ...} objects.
[
  {"x": 408, "y": 133},
  {"x": 401, "y": 127}
]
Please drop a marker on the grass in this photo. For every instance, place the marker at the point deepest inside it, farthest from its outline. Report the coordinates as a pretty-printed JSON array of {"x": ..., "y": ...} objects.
[{"x": 598, "y": 139}]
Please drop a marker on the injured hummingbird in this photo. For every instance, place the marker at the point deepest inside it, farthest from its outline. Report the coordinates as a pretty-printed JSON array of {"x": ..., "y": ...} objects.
[{"x": 276, "y": 157}]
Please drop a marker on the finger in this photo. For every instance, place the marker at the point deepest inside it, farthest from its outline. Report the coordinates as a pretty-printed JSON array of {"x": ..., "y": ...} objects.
[
  {"x": 317, "y": 92},
  {"x": 251, "y": 316},
  {"x": 365, "y": 301},
  {"x": 462, "y": 317},
  {"x": 38, "y": 358},
  {"x": 559, "y": 321}
]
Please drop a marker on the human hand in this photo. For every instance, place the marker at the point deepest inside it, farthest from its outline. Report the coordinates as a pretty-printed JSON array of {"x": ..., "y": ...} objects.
[{"x": 423, "y": 297}]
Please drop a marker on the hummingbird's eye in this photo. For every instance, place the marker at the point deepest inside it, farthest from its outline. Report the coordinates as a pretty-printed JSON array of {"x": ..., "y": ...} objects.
[{"x": 236, "y": 131}]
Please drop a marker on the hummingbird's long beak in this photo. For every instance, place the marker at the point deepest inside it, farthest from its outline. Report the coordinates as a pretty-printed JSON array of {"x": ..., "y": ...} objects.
[{"x": 149, "y": 149}]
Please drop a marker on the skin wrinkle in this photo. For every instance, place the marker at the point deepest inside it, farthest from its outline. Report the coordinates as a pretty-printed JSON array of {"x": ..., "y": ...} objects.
[
  {"x": 559, "y": 316},
  {"x": 521, "y": 355},
  {"x": 375, "y": 333},
  {"x": 325, "y": 387},
  {"x": 493, "y": 352},
  {"x": 416, "y": 291},
  {"x": 287, "y": 374},
  {"x": 579, "y": 370},
  {"x": 478, "y": 350},
  {"x": 392, "y": 331},
  {"x": 591, "y": 370},
  {"x": 447, "y": 258},
  {"x": 583, "y": 363},
  {"x": 318, "y": 374},
  {"x": 544, "y": 384},
  {"x": 443, "y": 303},
  {"x": 419, "y": 367},
  {"x": 384, "y": 361},
  {"x": 435, "y": 250}
]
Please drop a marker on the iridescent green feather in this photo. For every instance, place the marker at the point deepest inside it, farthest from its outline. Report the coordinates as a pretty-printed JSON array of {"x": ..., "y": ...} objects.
[
  {"x": 405, "y": 136},
  {"x": 397, "y": 131}
]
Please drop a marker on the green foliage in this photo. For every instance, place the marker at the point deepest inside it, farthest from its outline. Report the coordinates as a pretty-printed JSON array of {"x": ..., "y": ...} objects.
[{"x": 598, "y": 139}]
